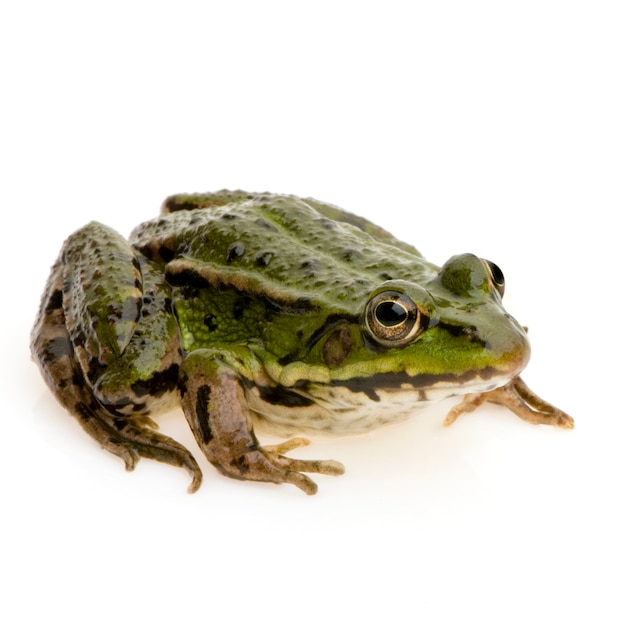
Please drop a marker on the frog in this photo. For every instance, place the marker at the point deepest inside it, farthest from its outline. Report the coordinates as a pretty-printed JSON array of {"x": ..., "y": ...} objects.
[{"x": 259, "y": 309}]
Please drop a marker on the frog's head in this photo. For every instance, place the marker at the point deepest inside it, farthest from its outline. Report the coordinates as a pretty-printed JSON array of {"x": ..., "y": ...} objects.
[{"x": 450, "y": 331}]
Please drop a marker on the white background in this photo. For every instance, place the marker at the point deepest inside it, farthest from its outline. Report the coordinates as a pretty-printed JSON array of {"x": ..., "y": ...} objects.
[{"x": 492, "y": 127}]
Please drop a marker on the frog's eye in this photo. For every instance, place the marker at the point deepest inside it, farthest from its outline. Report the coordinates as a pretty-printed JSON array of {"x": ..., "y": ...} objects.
[
  {"x": 496, "y": 276},
  {"x": 392, "y": 319}
]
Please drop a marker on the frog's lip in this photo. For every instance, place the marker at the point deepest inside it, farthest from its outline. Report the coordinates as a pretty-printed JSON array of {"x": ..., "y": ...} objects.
[{"x": 471, "y": 381}]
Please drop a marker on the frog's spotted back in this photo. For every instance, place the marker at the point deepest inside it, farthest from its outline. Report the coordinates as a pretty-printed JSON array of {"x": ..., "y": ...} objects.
[{"x": 289, "y": 247}]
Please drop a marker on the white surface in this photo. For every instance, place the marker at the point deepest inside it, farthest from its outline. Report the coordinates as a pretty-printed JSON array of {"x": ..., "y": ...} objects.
[{"x": 490, "y": 127}]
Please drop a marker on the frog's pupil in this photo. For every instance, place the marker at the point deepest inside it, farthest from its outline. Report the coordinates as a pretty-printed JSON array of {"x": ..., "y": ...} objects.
[
  {"x": 391, "y": 313},
  {"x": 496, "y": 272}
]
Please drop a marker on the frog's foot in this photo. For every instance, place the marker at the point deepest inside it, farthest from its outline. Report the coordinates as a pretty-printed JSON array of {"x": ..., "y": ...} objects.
[
  {"x": 129, "y": 438},
  {"x": 215, "y": 406},
  {"x": 132, "y": 438},
  {"x": 268, "y": 465},
  {"x": 517, "y": 397}
]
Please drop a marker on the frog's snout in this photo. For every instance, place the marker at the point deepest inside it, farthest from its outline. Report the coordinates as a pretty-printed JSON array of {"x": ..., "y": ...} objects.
[{"x": 511, "y": 348}]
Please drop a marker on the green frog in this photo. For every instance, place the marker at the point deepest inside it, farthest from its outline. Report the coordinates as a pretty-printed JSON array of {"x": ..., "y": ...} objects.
[{"x": 248, "y": 307}]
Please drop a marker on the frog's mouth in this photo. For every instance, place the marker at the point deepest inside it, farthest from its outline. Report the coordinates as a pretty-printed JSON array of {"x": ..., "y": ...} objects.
[
  {"x": 426, "y": 387},
  {"x": 360, "y": 404}
]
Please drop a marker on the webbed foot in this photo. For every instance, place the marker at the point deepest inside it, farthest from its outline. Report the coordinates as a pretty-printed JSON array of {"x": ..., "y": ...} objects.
[{"x": 267, "y": 464}]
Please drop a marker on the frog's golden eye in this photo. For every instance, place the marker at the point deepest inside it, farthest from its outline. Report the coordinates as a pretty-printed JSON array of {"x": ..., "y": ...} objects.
[
  {"x": 496, "y": 276},
  {"x": 392, "y": 319}
]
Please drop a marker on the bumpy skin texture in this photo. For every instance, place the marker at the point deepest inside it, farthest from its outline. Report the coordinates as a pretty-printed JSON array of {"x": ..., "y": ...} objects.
[{"x": 242, "y": 306}]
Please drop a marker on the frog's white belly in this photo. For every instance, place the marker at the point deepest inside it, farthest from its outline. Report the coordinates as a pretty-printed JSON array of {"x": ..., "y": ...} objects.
[{"x": 336, "y": 409}]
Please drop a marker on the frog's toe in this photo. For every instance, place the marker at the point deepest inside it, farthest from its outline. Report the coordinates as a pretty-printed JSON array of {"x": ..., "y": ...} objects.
[
  {"x": 518, "y": 397},
  {"x": 287, "y": 446},
  {"x": 265, "y": 465},
  {"x": 331, "y": 468},
  {"x": 133, "y": 438},
  {"x": 563, "y": 420},
  {"x": 128, "y": 455},
  {"x": 292, "y": 470},
  {"x": 152, "y": 445},
  {"x": 302, "y": 482}
]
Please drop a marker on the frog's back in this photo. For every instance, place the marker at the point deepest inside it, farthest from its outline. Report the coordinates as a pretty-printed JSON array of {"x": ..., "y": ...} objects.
[{"x": 287, "y": 247}]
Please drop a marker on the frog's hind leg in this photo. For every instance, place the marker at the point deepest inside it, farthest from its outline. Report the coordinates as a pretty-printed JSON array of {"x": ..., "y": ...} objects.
[{"x": 127, "y": 437}]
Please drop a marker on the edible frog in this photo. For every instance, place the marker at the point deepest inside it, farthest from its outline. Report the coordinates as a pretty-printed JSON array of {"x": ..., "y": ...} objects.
[{"x": 244, "y": 307}]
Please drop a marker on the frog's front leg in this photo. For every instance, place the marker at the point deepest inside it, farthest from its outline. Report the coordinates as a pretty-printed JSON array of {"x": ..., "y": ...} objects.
[
  {"x": 517, "y": 397},
  {"x": 214, "y": 403}
]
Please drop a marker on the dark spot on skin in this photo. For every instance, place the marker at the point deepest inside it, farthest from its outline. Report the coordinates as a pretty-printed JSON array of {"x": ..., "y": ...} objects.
[
  {"x": 210, "y": 321},
  {"x": 160, "y": 383},
  {"x": 229, "y": 216},
  {"x": 127, "y": 311},
  {"x": 310, "y": 268},
  {"x": 77, "y": 379},
  {"x": 135, "y": 262},
  {"x": 56, "y": 348},
  {"x": 80, "y": 408},
  {"x": 350, "y": 255},
  {"x": 186, "y": 278},
  {"x": 78, "y": 337},
  {"x": 267, "y": 225},
  {"x": 263, "y": 259},
  {"x": 173, "y": 206},
  {"x": 283, "y": 396},
  {"x": 203, "y": 400},
  {"x": 138, "y": 284},
  {"x": 235, "y": 251},
  {"x": 338, "y": 346},
  {"x": 64, "y": 383},
  {"x": 119, "y": 423},
  {"x": 167, "y": 254},
  {"x": 469, "y": 331},
  {"x": 119, "y": 409},
  {"x": 94, "y": 369},
  {"x": 385, "y": 276},
  {"x": 240, "y": 306},
  {"x": 55, "y": 302},
  {"x": 328, "y": 224},
  {"x": 183, "y": 379},
  {"x": 242, "y": 465},
  {"x": 189, "y": 292}
]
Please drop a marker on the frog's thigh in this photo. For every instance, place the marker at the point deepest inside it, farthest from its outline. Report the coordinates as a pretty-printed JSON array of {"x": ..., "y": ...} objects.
[{"x": 215, "y": 406}]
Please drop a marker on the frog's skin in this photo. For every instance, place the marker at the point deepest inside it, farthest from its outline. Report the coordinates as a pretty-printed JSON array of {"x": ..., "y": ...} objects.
[{"x": 242, "y": 306}]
